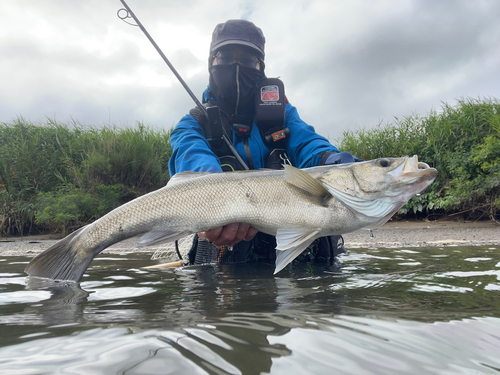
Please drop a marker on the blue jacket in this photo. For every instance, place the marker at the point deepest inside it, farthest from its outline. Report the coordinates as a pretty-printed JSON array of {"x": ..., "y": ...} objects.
[{"x": 191, "y": 150}]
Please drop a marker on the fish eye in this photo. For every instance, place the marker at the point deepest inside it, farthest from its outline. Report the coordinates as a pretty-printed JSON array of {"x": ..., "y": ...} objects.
[{"x": 383, "y": 162}]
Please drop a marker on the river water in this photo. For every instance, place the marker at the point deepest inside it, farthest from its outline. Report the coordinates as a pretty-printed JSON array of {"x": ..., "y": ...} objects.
[{"x": 381, "y": 311}]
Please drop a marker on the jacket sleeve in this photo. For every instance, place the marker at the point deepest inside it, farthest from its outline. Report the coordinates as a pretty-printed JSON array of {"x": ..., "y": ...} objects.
[
  {"x": 190, "y": 149},
  {"x": 305, "y": 147}
]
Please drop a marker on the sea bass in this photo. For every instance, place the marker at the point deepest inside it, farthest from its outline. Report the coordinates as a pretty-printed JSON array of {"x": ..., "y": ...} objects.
[{"x": 295, "y": 205}]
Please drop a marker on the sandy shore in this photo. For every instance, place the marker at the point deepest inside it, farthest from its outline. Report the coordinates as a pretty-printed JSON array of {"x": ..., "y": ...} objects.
[
  {"x": 427, "y": 234},
  {"x": 392, "y": 234}
]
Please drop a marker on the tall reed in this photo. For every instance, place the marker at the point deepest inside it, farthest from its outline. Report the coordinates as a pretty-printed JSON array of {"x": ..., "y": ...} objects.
[{"x": 45, "y": 166}]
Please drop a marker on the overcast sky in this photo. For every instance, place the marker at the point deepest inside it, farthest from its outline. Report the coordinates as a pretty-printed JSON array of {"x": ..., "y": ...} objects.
[{"x": 345, "y": 64}]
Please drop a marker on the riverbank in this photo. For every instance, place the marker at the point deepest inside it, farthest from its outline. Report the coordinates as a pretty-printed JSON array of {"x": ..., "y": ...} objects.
[
  {"x": 427, "y": 234},
  {"x": 392, "y": 234}
]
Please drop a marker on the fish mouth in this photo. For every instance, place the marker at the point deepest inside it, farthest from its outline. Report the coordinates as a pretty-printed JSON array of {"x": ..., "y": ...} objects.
[
  {"x": 412, "y": 169},
  {"x": 415, "y": 175}
]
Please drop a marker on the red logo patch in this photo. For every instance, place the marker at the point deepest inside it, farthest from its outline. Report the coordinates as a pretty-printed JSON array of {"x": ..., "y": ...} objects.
[{"x": 269, "y": 93}]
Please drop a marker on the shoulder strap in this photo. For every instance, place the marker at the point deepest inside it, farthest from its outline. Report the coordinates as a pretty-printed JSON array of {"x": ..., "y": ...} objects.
[
  {"x": 219, "y": 136},
  {"x": 213, "y": 131},
  {"x": 270, "y": 102}
]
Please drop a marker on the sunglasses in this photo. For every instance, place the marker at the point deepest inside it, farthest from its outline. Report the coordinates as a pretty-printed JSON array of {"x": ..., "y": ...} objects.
[{"x": 246, "y": 59}]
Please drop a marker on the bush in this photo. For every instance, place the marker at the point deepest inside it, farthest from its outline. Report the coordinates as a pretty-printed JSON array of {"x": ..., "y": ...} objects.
[
  {"x": 462, "y": 142},
  {"x": 58, "y": 176},
  {"x": 70, "y": 208},
  {"x": 59, "y": 210}
]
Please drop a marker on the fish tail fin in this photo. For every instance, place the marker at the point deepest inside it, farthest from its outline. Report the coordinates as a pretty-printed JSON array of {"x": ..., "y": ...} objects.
[{"x": 59, "y": 261}]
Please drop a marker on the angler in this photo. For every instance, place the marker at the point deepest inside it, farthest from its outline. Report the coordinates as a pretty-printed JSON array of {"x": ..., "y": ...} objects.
[{"x": 265, "y": 131}]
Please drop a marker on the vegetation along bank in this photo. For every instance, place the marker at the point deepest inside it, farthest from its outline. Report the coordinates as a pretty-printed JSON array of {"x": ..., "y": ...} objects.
[{"x": 57, "y": 177}]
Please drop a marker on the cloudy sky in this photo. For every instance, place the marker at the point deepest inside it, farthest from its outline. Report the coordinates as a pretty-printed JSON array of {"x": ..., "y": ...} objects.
[{"x": 345, "y": 64}]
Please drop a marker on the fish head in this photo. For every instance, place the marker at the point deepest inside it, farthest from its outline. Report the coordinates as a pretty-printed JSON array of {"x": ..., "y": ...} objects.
[
  {"x": 378, "y": 188},
  {"x": 394, "y": 177}
]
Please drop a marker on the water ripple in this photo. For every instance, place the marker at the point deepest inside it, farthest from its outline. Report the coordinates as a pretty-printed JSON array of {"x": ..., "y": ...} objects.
[{"x": 432, "y": 311}]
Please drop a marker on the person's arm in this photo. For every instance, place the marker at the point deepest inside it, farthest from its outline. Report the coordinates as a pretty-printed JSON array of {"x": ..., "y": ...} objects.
[
  {"x": 305, "y": 147},
  {"x": 190, "y": 149}
]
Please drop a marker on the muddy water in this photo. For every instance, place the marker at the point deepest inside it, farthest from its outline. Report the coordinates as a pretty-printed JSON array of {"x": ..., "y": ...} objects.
[{"x": 382, "y": 311}]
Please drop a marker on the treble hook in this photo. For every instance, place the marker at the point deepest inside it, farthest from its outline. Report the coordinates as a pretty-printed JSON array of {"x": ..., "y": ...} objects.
[{"x": 124, "y": 17}]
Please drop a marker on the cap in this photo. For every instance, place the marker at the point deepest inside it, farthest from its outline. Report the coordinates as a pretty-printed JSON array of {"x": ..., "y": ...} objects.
[{"x": 238, "y": 32}]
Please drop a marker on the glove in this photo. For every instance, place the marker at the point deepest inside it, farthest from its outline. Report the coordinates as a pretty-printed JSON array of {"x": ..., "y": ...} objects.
[{"x": 339, "y": 158}]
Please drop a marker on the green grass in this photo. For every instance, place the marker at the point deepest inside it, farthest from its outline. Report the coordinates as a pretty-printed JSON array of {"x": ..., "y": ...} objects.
[{"x": 57, "y": 176}]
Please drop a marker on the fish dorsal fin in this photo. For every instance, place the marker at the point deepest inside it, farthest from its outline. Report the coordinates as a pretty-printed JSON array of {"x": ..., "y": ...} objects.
[
  {"x": 290, "y": 243},
  {"x": 376, "y": 208},
  {"x": 157, "y": 236},
  {"x": 183, "y": 176},
  {"x": 305, "y": 182}
]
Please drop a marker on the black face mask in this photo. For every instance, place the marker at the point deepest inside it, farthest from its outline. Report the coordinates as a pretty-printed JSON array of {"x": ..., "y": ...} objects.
[{"x": 233, "y": 86}]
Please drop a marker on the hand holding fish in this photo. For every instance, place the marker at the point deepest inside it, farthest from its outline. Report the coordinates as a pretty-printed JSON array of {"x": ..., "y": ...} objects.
[{"x": 230, "y": 234}]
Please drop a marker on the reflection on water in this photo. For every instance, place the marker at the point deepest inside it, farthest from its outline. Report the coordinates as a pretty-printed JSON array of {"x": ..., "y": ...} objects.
[{"x": 383, "y": 311}]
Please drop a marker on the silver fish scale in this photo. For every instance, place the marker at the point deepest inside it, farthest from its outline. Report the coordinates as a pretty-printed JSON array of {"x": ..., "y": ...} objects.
[{"x": 260, "y": 198}]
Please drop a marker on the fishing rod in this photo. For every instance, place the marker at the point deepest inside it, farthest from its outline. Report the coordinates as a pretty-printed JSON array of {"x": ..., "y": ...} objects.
[{"x": 214, "y": 114}]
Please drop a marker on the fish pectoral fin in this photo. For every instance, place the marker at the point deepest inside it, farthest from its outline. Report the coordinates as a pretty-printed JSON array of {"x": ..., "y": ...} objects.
[
  {"x": 157, "y": 236},
  {"x": 291, "y": 238},
  {"x": 305, "y": 182},
  {"x": 183, "y": 176},
  {"x": 376, "y": 208},
  {"x": 290, "y": 243}
]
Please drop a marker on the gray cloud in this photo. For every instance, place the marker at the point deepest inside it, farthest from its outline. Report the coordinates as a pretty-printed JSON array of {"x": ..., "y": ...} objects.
[
  {"x": 407, "y": 62},
  {"x": 344, "y": 64}
]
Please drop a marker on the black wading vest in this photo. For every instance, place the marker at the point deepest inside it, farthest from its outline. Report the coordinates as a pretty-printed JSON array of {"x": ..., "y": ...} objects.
[{"x": 269, "y": 117}]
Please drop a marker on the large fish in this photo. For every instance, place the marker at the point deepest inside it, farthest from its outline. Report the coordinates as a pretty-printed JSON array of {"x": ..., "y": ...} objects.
[{"x": 295, "y": 205}]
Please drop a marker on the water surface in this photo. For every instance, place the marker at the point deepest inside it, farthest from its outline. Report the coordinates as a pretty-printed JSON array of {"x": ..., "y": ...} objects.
[{"x": 382, "y": 311}]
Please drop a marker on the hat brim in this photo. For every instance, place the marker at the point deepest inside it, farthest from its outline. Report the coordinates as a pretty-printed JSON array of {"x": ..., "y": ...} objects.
[{"x": 238, "y": 42}]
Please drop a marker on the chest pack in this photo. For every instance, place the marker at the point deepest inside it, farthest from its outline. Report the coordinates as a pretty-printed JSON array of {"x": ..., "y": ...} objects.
[{"x": 270, "y": 102}]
